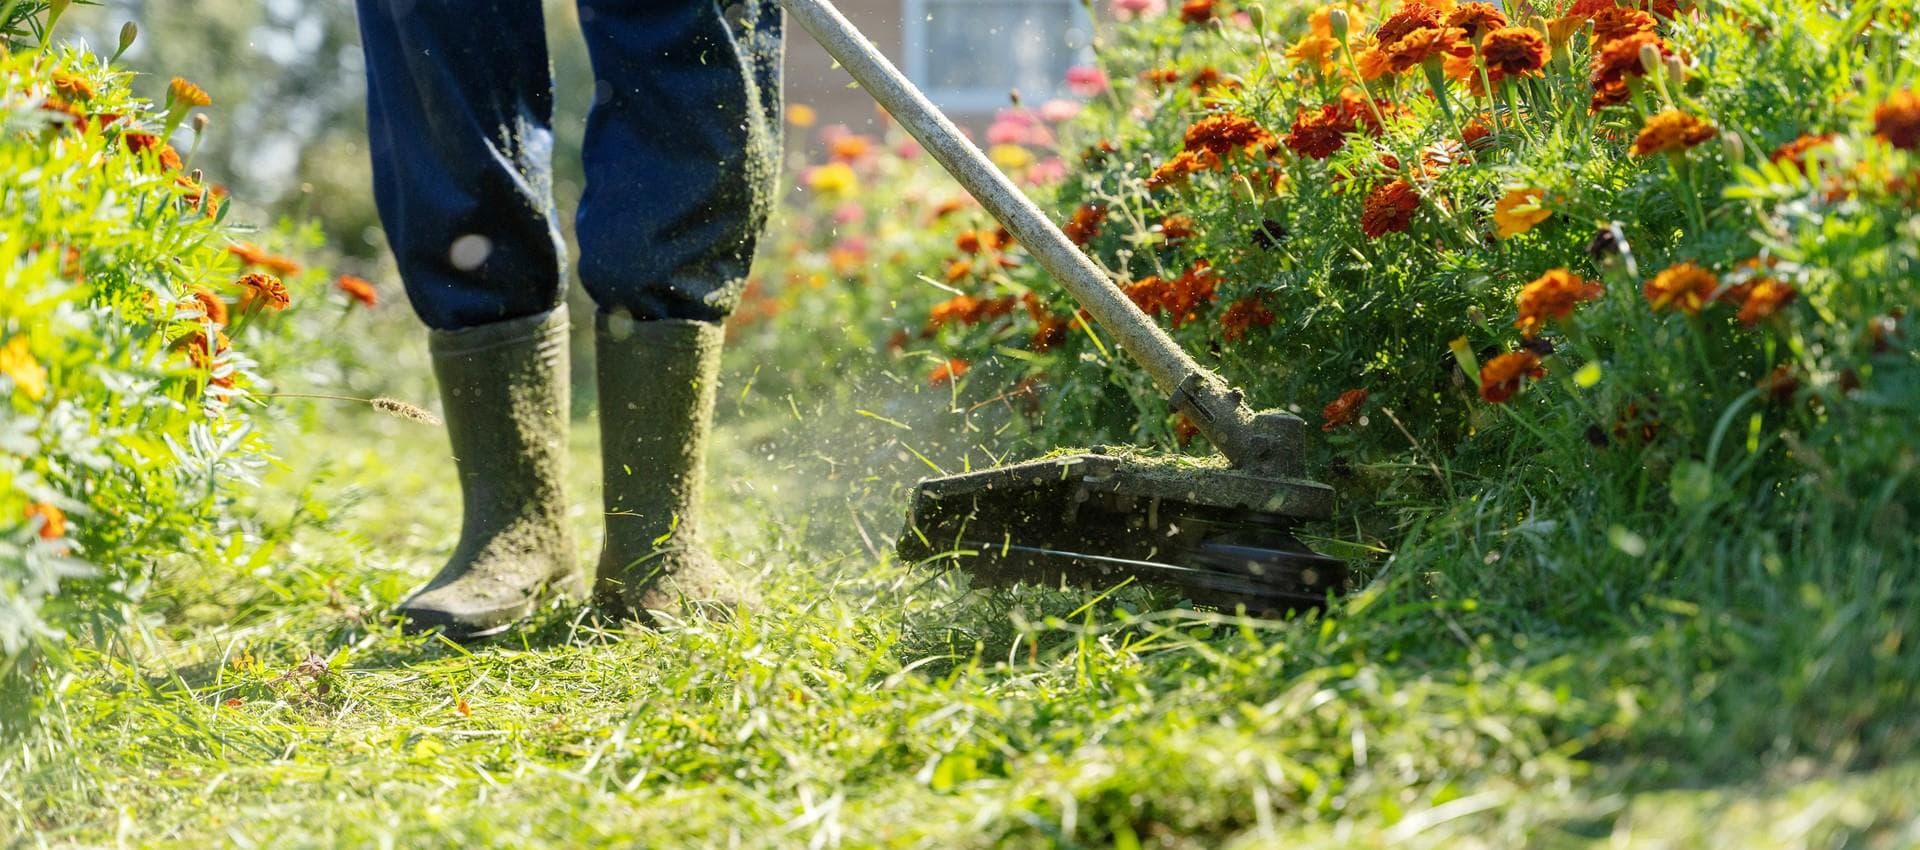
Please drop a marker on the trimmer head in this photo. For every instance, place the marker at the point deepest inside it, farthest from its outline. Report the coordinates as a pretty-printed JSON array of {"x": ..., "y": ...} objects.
[{"x": 1222, "y": 535}]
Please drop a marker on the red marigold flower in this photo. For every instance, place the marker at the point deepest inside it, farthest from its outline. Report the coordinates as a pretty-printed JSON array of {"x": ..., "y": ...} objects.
[
  {"x": 140, "y": 142},
  {"x": 1145, "y": 293},
  {"x": 1551, "y": 296},
  {"x": 1685, "y": 287},
  {"x": 1196, "y": 11},
  {"x": 359, "y": 289},
  {"x": 1183, "y": 296},
  {"x": 1343, "y": 411},
  {"x": 1589, "y": 8},
  {"x": 1796, "y": 151},
  {"x": 1161, "y": 76},
  {"x": 1319, "y": 134},
  {"x": 1085, "y": 224},
  {"x": 1764, "y": 299},
  {"x": 266, "y": 290},
  {"x": 1514, "y": 52},
  {"x": 1050, "y": 331},
  {"x": 946, "y": 373},
  {"x": 1671, "y": 131},
  {"x": 1222, "y": 134},
  {"x": 1353, "y": 107},
  {"x": 1389, "y": 209},
  {"x": 53, "y": 521},
  {"x": 1242, "y": 316},
  {"x": 1502, "y": 376},
  {"x": 1476, "y": 19},
  {"x": 1898, "y": 120}
]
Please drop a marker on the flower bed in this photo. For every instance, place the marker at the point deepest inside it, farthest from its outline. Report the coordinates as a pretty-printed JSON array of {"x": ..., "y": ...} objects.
[
  {"x": 1651, "y": 259},
  {"x": 127, "y": 393}
]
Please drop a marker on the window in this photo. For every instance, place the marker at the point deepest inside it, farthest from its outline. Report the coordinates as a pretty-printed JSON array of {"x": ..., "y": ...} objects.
[{"x": 967, "y": 54}]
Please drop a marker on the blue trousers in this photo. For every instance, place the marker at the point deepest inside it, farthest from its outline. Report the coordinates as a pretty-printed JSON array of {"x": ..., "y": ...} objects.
[{"x": 681, "y": 152}]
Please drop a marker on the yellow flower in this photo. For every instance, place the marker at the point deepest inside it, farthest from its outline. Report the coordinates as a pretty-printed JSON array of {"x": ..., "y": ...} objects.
[
  {"x": 1010, "y": 157},
  {"x": 801, "y": 115},
  {"x": 28, "y": 375},
  {"x": 833, "y": 180},
  {"x": 1517, "y": 212}
]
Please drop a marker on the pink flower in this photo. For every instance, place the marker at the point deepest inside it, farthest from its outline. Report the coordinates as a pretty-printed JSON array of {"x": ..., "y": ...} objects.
[
  {"x": 1086, "y": 80},
  {"x": 1127, "y": 10},
  {"x": 1004, "y": 133},
  {"x": 1058, "y": 110},
  {"x": 848, "y": 213},
  {"x": 1047, "y": 172},
  {"x": 1018, "y": 127},
  {"x": 907, "y": 149}
]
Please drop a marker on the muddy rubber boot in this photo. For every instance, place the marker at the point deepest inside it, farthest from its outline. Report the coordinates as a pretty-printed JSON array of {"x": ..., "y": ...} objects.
[
  {"x": 505, "y": 392},
  {"x": 657, "y": 384}
]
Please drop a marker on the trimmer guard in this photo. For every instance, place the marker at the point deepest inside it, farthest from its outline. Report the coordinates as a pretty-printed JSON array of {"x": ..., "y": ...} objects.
[{"x": 1221, "y": 534}]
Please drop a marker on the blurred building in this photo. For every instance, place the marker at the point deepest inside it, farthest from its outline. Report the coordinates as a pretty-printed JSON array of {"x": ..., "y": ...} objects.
[{"x": 967, "y": 55}]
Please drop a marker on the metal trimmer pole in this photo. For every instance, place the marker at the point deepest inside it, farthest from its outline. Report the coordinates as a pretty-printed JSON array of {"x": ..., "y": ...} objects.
[{"x": 1266, "y": 441}]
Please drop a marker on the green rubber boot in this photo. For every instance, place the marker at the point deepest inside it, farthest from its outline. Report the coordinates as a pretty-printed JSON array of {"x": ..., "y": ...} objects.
[
  {"x": 657, "y": 384},
  {"x": 504, "y": 389}
]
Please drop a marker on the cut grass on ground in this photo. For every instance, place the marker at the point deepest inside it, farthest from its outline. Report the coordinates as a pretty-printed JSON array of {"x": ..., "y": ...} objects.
[{"x": 867, "y": 704}]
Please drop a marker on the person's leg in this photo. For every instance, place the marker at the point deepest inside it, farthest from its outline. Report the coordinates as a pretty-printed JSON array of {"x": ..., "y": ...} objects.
[
  {"x": 459, "y": 105},
  {"x": 682, "y": 156}
]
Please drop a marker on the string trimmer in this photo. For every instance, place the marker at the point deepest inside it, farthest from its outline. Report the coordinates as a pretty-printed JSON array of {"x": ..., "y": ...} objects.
[{"x": 1220, "y": 530}]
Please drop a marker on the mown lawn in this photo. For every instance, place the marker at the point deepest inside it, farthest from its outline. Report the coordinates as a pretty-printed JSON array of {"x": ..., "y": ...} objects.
[{"x": 868, "y": 704}]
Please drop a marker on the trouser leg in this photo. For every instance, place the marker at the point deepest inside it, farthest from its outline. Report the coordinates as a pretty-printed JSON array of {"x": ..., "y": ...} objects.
[
  {"x": 682, "y": 152},
  {"x": 459, "y": 110}
]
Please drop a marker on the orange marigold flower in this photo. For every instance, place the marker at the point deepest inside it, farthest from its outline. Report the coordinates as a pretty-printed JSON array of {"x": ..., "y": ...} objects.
[
  {"x": 1389, "y": 209},
  {"x": 53, "y": 521},
  {"x": 1175, "y": 171},
  {"x": 1502, "y": 376},
  {"x": 213, "y": 305},
  {"x": 1412, "y": 15},
  {"x": 1796, "y": 151},
  {"x": 1551, "y": 296},
  {"x": 1518, "y": 211},
  {"x": 1475, "y": 130},
  {"x": 1618, "y": 22},
  {"x": 1176, "y": 228},
  {"x": 203, "y": 349},
  {"x": 1196, "y": 11},
  {"x": 1898, "y": 120},
  {"x": 1617, "y": 60},
  {"x": 850, "y": 147},
  {"x": 73, "y": 86},
  {"x": 254, "y": 256},
  {"x": 946, "y": 373},
  {"x": 1514, "y": 52},
  {"x": 359, "y": 289},
  {"x": 1222, "y": 134},
  {"x": 184, "y": 92},
  {"x": 1242, "y": 316},
  {"x": 1085, "y": 225},
  {"x": 968, "y": 241},
  {"x": 948, "y": 207},
  {"x": 1374, "y": 62},
  {"x": 1764, "y": 299},
  {"x": 1476, "y": 18},
  {"x": 1184, "y": 430},
  {"x": 1415, "y": 48},
  {"x": 1343, "y": 411},
  {"x": 958, "y": 269},
  {"x": 1316, "y": 51},
  {"x": 1588, "y": 8},
  {"x": 1671, "y": 131},
  {"x": 1319, "y": 134},
  {"x": 1685, "y": 287},
  {"x": 1161, "y": 76},
  {"x": 266, "y": 290}
]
